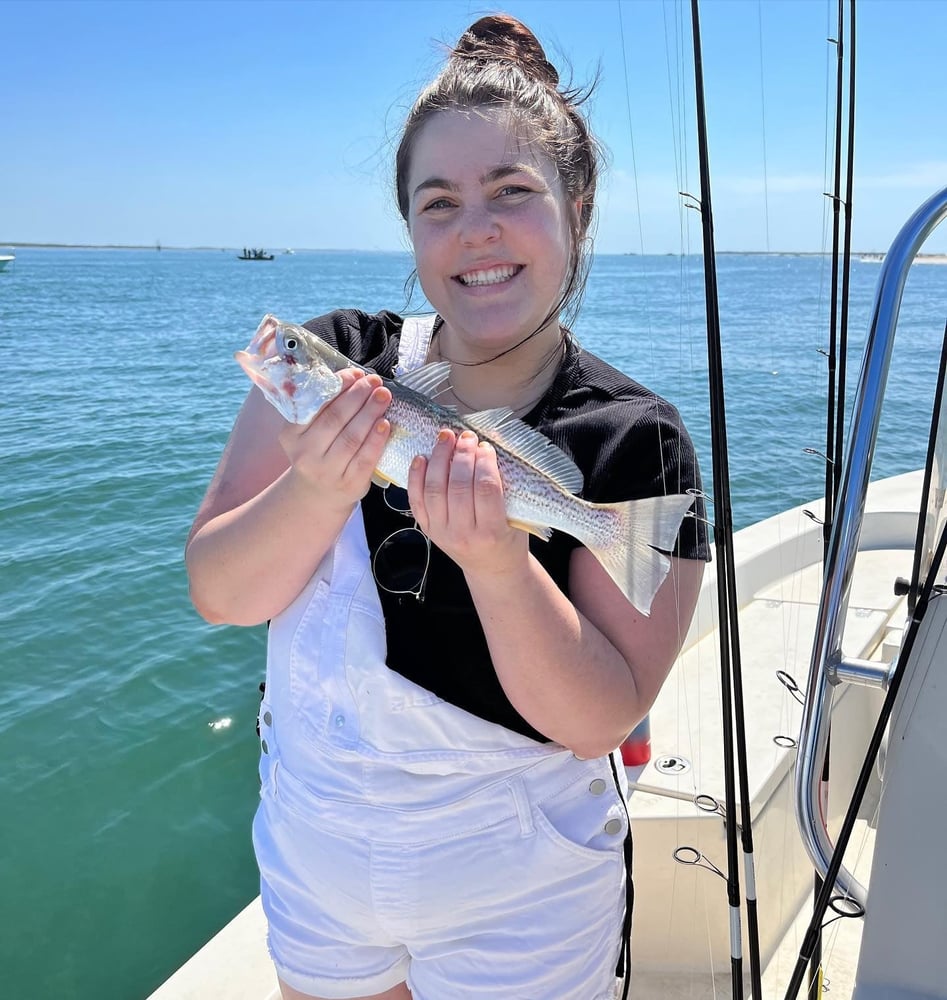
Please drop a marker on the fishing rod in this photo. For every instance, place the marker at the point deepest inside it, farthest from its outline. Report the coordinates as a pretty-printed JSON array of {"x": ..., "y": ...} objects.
[
  {"x": 837, "y": 358},
  {"x": 730, "y": 663},
  {"x": 837, "y": 354},
  {"x": 847, "y": 252},
  {"x": 832, "y": 354}
]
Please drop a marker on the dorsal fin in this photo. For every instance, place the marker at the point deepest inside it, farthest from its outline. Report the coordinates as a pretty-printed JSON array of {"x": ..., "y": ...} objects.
[
  {"x": 427, "y": 379},
  {"x": 505, "y": 428}
]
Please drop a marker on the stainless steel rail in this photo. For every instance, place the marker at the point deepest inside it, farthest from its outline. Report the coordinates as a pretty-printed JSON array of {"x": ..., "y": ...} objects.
[{"x": 824, "y": 672}]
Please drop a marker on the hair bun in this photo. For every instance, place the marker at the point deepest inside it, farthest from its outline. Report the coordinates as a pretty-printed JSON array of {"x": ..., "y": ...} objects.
[{"x": 501, "y": 38}]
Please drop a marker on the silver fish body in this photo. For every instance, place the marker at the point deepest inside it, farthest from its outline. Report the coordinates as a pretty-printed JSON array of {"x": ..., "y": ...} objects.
[{"x": 296, "y": 371}]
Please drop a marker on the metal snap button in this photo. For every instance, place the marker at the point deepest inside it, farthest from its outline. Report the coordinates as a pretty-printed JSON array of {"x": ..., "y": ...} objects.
[
  {"x": 598, "y": 786},
  {"x": 268, "y": 718},
  {"x": 265, "y": 748},
  {"x": 614, "y": 826},
  {"x": 340, "y": 721}
]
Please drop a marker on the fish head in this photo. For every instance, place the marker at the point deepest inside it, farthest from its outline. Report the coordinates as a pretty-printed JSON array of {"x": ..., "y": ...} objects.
[{"x": 286, "y": 362}]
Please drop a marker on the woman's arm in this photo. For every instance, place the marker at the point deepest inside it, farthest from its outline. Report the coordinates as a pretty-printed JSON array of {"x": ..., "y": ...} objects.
[
  {"x": 583, "y": 671},
  {"x": 279, "y": 498}
]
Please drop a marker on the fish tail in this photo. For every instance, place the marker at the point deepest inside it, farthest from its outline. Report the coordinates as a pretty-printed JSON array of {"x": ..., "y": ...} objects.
[{"x": 634, "y": 556}]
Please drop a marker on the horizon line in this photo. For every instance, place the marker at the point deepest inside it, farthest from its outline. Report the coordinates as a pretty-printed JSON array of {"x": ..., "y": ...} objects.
[{"x": 157, "y": 246}]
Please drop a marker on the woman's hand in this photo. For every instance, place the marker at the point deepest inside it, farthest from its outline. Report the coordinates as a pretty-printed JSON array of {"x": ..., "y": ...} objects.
[
  {"x": 337, "y": 451},
  {"x": 457, "y": 498}
]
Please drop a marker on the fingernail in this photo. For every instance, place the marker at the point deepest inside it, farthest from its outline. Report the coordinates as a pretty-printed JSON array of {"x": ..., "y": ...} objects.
[
  {"x": 468, "y": 435},
  {"x": 443, "y": 435},
  {"x": 417, "y": 461}
]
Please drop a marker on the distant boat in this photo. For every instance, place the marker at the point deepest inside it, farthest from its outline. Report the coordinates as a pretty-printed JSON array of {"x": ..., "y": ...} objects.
[
  {"x": 287, "y": 250},
  {"x": 254, "y": 255},
  {"x": 6, "y": 258}
]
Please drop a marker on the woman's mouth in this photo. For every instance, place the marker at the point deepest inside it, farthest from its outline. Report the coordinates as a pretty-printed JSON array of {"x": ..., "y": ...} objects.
[{"x": 488, "y": 276}]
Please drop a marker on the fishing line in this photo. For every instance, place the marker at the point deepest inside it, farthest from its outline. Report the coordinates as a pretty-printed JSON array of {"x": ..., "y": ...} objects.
[
  {"x": 676, "y": 104},
  {"x": 631, "y": 131},
  {"x": 642, "y": 269},
  {"x": 759, "y": 22},
  {"x": 731, "y": 670},
  {"x": 836, "y": 356},
  {"x": 791, "y": 584},
  {"x": 651, "y": 339},
  {"x": 634, "y": 172},
  {"x": 684, "y": 895}
]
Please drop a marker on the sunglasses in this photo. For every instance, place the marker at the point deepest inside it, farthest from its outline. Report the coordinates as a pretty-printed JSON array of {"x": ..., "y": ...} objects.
[{"x": 401, "y": 561}]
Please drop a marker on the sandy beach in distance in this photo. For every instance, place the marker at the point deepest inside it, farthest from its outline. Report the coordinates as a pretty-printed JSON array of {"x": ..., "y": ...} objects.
[{"x": 921, "y": 258}]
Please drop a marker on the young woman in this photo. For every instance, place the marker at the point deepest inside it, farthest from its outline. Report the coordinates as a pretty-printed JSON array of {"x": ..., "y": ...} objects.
[{"x": 442, "y": 816}]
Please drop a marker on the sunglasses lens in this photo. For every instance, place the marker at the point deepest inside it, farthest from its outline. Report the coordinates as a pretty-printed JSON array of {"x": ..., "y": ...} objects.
[
  {"x": 396, "y": 497},
  {"x": 401, "y": 561}
]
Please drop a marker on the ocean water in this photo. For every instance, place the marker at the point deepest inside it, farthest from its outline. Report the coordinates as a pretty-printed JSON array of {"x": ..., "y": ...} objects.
[{"x": 125, "y": 820}]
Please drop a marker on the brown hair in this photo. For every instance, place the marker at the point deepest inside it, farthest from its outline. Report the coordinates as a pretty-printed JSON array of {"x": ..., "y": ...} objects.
[{"x": 499, "y": 63}]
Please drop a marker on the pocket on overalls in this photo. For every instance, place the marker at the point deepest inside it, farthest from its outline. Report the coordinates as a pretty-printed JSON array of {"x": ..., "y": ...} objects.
[{"x": 586, "y": 819}]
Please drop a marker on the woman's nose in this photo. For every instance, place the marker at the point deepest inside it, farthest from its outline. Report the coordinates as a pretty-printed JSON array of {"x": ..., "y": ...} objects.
[{"x": 478, "y": 225}]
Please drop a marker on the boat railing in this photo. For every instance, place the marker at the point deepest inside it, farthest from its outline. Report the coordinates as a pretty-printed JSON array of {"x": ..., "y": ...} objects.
[{"x": 828, "y": 666}]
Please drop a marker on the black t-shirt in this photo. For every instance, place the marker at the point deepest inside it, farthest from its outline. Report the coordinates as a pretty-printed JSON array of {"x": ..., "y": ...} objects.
[{"x": 628, "y": 443}]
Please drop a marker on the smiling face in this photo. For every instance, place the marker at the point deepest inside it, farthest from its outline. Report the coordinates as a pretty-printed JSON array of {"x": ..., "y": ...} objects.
[{"x": 490, "y": 226}]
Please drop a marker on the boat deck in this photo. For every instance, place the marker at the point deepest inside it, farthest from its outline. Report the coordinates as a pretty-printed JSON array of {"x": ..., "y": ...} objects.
[{"x": 680, "y": 939}]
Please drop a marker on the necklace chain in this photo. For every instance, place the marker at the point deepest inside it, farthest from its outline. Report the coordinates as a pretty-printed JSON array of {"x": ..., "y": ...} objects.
[{"x": 554, "y": 357}]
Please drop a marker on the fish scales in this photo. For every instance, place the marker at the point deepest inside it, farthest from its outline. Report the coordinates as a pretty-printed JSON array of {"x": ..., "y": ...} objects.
[{"x": 531, "y": 498}]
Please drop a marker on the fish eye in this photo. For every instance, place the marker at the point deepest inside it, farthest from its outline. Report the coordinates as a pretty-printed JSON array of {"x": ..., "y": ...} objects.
[{"x": 291, "y": 343}]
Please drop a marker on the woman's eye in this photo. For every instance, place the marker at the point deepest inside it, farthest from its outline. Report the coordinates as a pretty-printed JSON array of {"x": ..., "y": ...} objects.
[
  {"x": 511, "y": 189},
  {"x": 437, "y": 203}
]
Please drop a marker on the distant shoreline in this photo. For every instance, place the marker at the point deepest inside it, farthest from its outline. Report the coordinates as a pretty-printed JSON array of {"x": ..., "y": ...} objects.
[
  {"x": 109, "y": 246},
  {"x": 865, "y": 255}
]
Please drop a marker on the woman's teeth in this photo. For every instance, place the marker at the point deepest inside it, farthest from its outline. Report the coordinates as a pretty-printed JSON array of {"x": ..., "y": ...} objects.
[{"x": 492, "y": 276}]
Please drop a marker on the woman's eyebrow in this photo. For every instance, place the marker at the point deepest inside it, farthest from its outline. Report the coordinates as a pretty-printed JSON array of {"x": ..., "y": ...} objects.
[
  {"x": 504, "y": 170},
  {"x": 435, "y": 182},
  {"x": 497, "y": 173}
]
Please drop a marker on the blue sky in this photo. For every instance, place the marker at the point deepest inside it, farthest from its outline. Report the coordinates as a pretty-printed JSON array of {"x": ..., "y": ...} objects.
[{"x": 273, "y": 124}]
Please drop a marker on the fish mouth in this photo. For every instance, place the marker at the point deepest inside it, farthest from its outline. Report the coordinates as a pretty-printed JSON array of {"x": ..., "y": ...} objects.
[
  {"x": 261, "y": 349},
  {"x": 479, "y": 277},
  {"x": 263, "y": 344}
]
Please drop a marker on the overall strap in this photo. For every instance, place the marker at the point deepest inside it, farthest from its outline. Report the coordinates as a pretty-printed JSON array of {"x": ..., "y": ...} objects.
[
  {"x": 416, "y": 332},
  {"x": 623, "y": 971}
]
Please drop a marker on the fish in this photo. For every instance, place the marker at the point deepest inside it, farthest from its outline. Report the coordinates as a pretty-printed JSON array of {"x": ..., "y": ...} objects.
[{"x": 297, "y": 373}]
